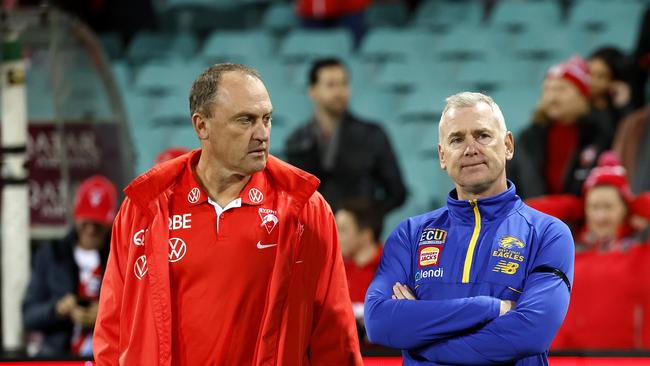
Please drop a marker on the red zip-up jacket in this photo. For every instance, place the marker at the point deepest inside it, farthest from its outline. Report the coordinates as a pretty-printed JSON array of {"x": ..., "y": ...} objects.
[{"x": 307, "y": 317}]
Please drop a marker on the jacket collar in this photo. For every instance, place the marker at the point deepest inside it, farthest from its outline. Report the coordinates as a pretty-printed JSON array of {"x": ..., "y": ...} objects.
[
  {"x": 490, "y": 208},
  {"x": 284, "y": 177}
]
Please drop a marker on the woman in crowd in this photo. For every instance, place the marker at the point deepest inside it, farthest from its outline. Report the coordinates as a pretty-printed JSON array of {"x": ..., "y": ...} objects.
[
  {"x": 557, "y": 151},
  {"x": 610, "y": 298}
]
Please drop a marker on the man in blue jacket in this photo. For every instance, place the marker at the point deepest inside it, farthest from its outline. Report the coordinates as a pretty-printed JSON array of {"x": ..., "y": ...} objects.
[{"x": 483, "y": 280}]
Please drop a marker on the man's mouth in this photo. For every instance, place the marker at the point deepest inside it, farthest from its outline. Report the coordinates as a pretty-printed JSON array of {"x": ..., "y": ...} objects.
[
  {"x": 257, "y": 151},
  {"x": 470, "y": 165}
]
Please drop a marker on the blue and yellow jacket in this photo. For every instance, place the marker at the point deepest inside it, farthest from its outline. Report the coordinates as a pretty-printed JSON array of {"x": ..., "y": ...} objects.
[{"x": 460, "y": 260}]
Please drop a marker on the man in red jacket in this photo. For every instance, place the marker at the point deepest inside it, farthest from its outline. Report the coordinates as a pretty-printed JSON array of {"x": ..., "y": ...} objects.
[{"x": 225, "y": 255}]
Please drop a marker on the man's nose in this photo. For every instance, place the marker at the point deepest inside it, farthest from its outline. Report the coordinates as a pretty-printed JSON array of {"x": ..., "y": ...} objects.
[
  {"x": 262, "y": 132},
  {"x": 470, "y": 147}
]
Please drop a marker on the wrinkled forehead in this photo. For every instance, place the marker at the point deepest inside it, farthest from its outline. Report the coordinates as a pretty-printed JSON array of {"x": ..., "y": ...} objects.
[
  {"x": 468, "y": 119},
  {"x": 241, "y": 91}
]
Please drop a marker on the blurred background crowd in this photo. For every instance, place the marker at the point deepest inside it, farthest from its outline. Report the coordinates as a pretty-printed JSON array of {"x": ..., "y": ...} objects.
[{"x": 358, "y": 87}]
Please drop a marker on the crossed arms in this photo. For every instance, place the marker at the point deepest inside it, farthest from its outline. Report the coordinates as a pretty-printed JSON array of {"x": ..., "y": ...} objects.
[{"x": 473, "y": 330}]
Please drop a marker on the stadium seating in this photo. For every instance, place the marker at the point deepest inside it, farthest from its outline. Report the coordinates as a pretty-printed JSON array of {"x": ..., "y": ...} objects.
[
  {"x": 303, "y": 45},
  {"x": 388, "y": 44},
  {"x": 515, "y": 15},
  {"x": 149, "y": 45},
  {"x": 400, "y": 74},
  {"x": 444, "y": 15},
  {"x": 279, "y": 18},
  {"x": 236, "y": 46},
  {"x": 386, "y": 14},
  {"x": 166, "y": 77}
]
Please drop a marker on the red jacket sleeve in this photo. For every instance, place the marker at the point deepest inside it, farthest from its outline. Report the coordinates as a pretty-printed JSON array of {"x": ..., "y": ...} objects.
[
  {"x": 107, "y": 326},
  {"x": 334, "y": 336},
  {"x": 566, "y": 207}
]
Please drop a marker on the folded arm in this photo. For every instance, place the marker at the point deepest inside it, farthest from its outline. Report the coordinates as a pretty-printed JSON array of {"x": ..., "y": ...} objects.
[{"x": 407, "y": 324}]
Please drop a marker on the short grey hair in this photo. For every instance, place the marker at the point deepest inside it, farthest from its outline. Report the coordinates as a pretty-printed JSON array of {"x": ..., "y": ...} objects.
[{"x": 470, "y": 99}]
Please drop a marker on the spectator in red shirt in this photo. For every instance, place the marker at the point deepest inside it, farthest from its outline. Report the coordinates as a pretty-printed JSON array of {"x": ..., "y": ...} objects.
[
  {"x": 359, "y": 223},
  {"x": 607, "y": 309},
  {"x": 607, "y": 217},
  {"x": 325, "y": 14},
  {"x": 60, "y": 304}
]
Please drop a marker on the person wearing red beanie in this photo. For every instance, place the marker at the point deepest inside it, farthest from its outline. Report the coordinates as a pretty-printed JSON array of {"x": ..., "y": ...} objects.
[
  {"x": 610, "y": 250},
  {"x": 557, "y": 151},
  {"x": 606, "y": 216},
  {"x": 61, "y": 300}
]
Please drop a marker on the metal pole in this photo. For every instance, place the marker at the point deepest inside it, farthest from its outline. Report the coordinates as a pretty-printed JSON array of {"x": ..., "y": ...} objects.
[{"x": 15, "y": 197}]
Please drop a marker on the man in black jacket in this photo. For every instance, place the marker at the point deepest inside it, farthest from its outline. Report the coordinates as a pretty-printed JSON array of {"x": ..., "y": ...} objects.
[
  {"x": 61, "y": 299},
  {"x": 351, "y": 157}
]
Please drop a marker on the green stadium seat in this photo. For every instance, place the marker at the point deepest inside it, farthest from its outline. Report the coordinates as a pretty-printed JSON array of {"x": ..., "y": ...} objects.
[
  {"x": 516, "y": 15},
  {"x": 517, "y": 105},
  {"x": 167, "y": 77},
  {"x": 397, "y": 77},
  {"x": 463, "y": 44},
  {"x": 386, "y": 44},
  {"x": 279, "y": 17},
  {"x": 375, "y": 105},
  {"x": 597, "y": 15},
  {"x": 445, "y": 15},
  {"x": 303, "y": 45},
  {"x": 290, "y": 108},
  {"x": 546, "y": 45},
  {"x": 147, "y": 46},
  {"x": 204, "y": 16},
  {"x": 490, "y": 76},
  {"x": 386, "y": 14},
  {"x": 236, "y": 46},
  {"x": 171, "y": 110}
]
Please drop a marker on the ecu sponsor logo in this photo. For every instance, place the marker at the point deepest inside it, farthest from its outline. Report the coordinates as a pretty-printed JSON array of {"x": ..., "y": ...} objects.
[
  {"x": 510, "y": 242},
  {"x": 433, "y": 236},
  {"x": 509, "y": 268}
]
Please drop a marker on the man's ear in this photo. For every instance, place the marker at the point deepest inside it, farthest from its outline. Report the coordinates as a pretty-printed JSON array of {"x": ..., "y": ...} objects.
[
  {"x": 200, "y": 126},
  {"x": 441, "y": 157},
  {"x": 510, "y": 146}
]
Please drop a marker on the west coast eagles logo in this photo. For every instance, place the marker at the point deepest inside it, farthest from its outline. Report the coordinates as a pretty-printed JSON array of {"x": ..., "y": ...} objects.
[
  {"x": 509, "y": 248},
  {"x": 509, "y": 242}
]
